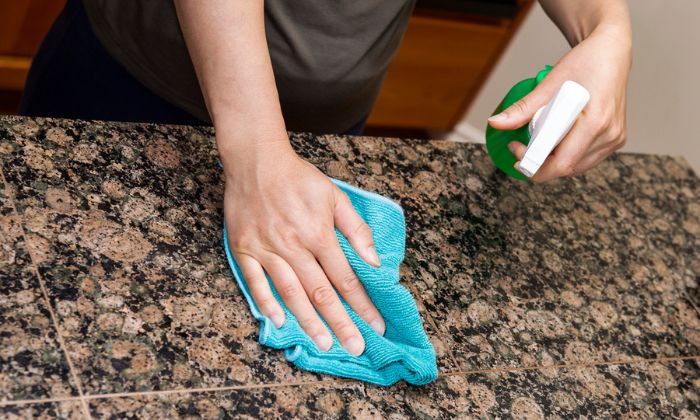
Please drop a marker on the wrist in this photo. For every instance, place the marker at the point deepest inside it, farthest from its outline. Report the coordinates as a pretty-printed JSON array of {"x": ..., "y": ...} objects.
[
  {"x": 242, "y": 159},
  {"x": 617, "y": 32},
  {"x": 580, "y": 20},
  {"x": 249, "y": 139},
  {"x": 244, "y": 131}
]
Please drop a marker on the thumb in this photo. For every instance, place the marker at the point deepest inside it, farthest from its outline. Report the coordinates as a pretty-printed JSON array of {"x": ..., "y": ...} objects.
[
  {"x": 355, "y": 229},
  {"x": 522, "y": 111}
]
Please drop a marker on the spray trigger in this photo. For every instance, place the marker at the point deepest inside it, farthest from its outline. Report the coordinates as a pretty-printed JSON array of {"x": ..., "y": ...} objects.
[{"x": 552, "y": 123}]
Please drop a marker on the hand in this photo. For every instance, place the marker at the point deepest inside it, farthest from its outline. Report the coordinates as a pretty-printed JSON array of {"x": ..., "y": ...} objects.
[
  {"x": 280, "y": 212},
  {"x": 601, "y": 63}
]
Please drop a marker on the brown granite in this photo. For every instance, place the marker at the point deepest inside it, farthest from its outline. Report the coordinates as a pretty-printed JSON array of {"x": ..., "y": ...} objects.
[
  {"x": 570, "y": 272},
  {"x": 445, "y": 398},
  {"x": 67, "y": 410},
  {"x": 123, "y": 222},
  {"x": 32, "y": 365},
  {"x": 632, "y": 391},
  {"x": 143, "y": 294}
]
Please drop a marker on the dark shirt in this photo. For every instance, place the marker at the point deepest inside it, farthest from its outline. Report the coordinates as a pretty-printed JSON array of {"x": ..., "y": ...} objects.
[{"x": 329, "y": 57}]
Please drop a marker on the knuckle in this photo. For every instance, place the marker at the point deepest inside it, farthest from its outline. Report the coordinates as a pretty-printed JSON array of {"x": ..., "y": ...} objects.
[
  {"x": 341, "y": 198},
  {"x": 266, "y": 305},
  {"x": 594, "y": 110},
  {"x": 289, "y": 291},
  {"x": 319, "y": 237},
  {"x": 598, "y": 121},
  {"x": 242, "y": 241},
  {"x": 521, "y": 106},
  {"x": 619, "y": 136},
  {"x": 322, "y": 295},
  {"x": 597, "y": 127},
  {"x": 566, "y": 167},
  {"x": 345, "y": 328},
  {"x": 349, "y": 283},
  {"x": 363, "y": 229},
  {"x": 287, "y": 237},
  {"x": 310, "y": 323}
]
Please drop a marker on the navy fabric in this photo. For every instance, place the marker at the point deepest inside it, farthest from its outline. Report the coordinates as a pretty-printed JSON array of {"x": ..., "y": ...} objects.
[
  {"x": 73, "y": 76},
  {"x": 357, "y": 129}
]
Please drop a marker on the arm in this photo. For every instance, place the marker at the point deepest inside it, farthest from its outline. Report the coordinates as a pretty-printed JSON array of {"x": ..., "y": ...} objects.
[
  {"x": 577, "y": 20},
  {"x": 600, "y": 60},
  {"x": 229, "y": 51},
  {"x": 280, "y": 210}
]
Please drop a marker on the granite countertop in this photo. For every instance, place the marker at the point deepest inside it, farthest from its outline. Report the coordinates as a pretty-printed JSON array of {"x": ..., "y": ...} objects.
[{"x": 575, "y": 298}]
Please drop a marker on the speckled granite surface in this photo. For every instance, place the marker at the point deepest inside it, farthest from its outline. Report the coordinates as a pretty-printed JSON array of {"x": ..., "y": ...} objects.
[{"x": 575, "y": 298}]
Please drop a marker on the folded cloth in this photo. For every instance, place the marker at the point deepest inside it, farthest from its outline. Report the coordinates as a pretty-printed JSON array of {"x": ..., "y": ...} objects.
[{"x": 404, "y": 352}]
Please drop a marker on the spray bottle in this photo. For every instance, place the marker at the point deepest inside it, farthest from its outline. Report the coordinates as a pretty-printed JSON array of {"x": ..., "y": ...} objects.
[{"x": 548, "y": 127}]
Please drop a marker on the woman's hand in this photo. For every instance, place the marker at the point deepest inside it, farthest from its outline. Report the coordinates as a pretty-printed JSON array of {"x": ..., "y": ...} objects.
[
  {"x": 281, "y": 212},
  {"x": 601, "y": 63}
]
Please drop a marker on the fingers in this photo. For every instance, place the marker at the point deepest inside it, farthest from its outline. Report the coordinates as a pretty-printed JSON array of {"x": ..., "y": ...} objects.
[
  {"x": 295, "y": 297},
  {"x": 355, "y": 229},
  {"x": 304, "y": 287},
  {"x": 593, "y": 159},
  {"x": 260, "y": 289},
  {"x": 522, "y": 111},
  {"x": 517, "y": 149},
  {"x": 564, "y": 160},
  {"x": 325, "y": 299},
  {"x": 348, "y": 285}
]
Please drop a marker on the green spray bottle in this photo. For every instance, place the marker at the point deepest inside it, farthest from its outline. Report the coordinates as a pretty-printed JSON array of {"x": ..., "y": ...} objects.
[{"x": 548, "y": 127}]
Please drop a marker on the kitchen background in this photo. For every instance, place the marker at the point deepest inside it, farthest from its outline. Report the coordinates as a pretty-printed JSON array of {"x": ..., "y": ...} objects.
[{"x": 458, "y": 59}]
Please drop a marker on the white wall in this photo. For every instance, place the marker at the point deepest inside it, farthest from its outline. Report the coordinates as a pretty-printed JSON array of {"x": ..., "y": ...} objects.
[{"x": 664, "y": 91}]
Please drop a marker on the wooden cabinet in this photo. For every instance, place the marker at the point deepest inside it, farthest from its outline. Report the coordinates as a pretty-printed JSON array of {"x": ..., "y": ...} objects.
[
  {"x": 439, "y": 68},
  {"x": 23, "y": 24}
]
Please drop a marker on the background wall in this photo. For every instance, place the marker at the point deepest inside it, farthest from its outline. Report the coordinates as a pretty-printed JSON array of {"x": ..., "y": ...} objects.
[{"x": 664, "y": 92}]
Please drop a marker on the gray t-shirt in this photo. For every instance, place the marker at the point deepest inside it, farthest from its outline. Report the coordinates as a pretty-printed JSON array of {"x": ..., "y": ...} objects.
[{"x": 329, "y": 57}]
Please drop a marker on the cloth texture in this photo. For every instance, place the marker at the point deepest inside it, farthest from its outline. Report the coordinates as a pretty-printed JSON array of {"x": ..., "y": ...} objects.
[
  {"x": 404, "y": 352},
  {"x": 329, "y": 58}
]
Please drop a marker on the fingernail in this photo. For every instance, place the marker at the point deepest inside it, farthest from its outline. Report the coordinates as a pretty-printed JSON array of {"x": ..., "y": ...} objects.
[
  {"x": 278, "y": 320},
  {"x": 511, "y": 147},
  {"x": 354, "y": 346},
  {"x": 499, "y": 117},
  {"x": 378, "y": 326},
  {"x": 323, "y": 342},
  {"x": 373, "y": 256}
]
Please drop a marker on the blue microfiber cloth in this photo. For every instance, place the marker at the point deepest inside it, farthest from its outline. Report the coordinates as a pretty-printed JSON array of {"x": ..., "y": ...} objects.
[{"x": 404, "y": 352}]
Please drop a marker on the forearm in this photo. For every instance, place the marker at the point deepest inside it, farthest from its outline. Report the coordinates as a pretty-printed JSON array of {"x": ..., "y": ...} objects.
[
  {"x": 578, "y": 19},
  {"x": 226, "y": 41}
]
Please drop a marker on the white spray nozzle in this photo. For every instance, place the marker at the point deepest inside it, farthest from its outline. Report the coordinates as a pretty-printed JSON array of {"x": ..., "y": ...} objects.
[{"x": 551, "y": 123}]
